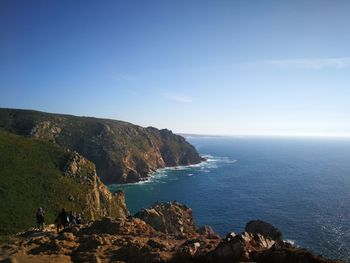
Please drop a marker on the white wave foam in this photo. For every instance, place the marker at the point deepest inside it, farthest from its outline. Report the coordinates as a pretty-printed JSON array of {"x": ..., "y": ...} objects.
[
  {"x": 290, "y": 241},
  {"x": 207, "y": 156},
  {"x": 211, "y": 162}
]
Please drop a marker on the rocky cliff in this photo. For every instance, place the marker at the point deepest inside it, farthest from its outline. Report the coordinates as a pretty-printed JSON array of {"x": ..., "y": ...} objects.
[
  {"x": 99, "y": 201},
  {"x": 154, "y": 239},
  {"x": 36, "y": 173},
  {"x": 122, "y": 152}
]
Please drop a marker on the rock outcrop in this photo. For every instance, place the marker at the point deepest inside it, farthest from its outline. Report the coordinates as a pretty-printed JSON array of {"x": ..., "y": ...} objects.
[
  {"x": 99, "y": 201},
  {"x": 121, "y": 151},
  {"x": 241, "y": 247},
  {"x": 134, "y": 240},
  {"x": 169, "y": 218},
  {"x": 265, "y": 229}
]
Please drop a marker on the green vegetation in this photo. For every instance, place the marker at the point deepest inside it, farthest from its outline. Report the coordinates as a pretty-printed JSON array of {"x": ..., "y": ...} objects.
[
  {"x": 31, "y": 176},
  {"x": 34, "y": 154},
  {"x": 121, "y": 151}
]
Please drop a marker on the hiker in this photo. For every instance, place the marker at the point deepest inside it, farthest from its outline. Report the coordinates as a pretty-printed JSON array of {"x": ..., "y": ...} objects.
[
  {"x": 62, "y": 220},
  {"x": 72, "y": 218},
  {"x": 79, "y": 219},
  {"x": 40, "y": 218}
]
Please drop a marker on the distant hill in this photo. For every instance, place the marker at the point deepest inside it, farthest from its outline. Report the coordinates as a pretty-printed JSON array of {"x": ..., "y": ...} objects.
[
  {"x": 122, "y": 152},
  {"x": 36, "y": 173}
]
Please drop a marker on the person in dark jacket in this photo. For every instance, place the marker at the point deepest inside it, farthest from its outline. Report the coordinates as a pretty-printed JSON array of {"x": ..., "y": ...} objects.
[
  {"x": 79, "y": 219},
  {"x": 40, "y": 220},
  {"x": 62, "y": 219},
  {"x": 72, "y": 218}
]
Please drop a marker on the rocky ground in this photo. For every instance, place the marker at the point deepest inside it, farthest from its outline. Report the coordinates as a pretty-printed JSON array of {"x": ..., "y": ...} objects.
[{"x": 166, "y": 232}]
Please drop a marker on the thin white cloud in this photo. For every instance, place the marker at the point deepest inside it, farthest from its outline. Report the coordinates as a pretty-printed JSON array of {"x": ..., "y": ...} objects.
[
  {"x": 124, "y": 77},
  {"x": 337, "y": 63},
  {"x": 178, "y": 97}
]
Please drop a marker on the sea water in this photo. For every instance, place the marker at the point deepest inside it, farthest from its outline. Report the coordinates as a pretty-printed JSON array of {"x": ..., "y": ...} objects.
[{"x": 300, "y": 185}]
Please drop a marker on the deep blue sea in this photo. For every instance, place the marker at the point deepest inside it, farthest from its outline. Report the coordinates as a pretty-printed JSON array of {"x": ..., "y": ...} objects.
[{"x": 300, "y": 185}]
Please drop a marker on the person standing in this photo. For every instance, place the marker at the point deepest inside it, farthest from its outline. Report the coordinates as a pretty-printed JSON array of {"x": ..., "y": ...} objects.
[
  {"x": 40, "y": 220},
  {"x": 62, "y": 219}
]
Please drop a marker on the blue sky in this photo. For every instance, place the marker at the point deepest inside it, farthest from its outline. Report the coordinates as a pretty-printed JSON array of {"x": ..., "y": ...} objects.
[{"x": 208, "y": 67}]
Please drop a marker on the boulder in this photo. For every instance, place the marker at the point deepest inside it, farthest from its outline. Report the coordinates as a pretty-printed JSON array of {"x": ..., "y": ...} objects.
[
  {"x": 170, "y": 218},
  {"x": 188, "y": 250},
  {"x": 264, "y": 229},
  {"x": 208, "y": 232},
  {"x": 241, "y": 247},
  {"x": 106, "y": 225},
  {"x": 110, "y": 226},
  {"x": 153, "y": 243}
]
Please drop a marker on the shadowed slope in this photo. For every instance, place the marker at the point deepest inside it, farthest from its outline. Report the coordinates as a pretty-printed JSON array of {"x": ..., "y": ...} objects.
[{"x": 122, "y": 152}]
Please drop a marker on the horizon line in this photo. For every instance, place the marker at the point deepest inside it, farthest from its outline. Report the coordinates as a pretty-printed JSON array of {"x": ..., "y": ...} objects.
[{"x": 299, "y": 135}]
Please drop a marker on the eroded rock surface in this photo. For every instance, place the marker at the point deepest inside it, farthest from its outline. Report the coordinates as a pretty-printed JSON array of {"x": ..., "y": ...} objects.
[
  {"x": 170, "y": 218},
  {"x": 134, "y": 240},
  {"x": 265, "y": 229},
  {"x": 99, "y": 201}
]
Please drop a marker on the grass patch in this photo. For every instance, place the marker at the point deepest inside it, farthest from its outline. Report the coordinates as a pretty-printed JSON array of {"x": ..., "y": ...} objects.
[{"x": 30, "y": 177}]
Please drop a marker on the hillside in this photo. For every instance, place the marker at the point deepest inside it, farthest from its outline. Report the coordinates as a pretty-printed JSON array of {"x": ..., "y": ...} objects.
[
  {"x": 36, "y": 173},
  {"x": 122, "y": 152}
]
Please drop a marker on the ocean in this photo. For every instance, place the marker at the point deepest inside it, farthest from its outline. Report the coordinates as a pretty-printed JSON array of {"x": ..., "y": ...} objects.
[{"x": 300, "y": 185}]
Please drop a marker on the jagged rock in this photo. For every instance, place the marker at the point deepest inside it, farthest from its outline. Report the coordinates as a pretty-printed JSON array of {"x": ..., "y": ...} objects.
[
  {"x": 99, "y": 200},
  {"x": 39, "y": 240},
  {"x": 156, "y": 244},
  {"x": 208, "y": 232},
  {"x": 90, "y": 244},
  {"x": 170, "y": 218},
  {"x": 230, "y": 236},
  {"x": 105, "y": 225},
  {"x": 239, "y": 247},
  {"x": 264, "y": 229},
  {"x": 133, "y": 240},
  {"x": 112, "y": 226},
  {"x": 188, "y": 250}
]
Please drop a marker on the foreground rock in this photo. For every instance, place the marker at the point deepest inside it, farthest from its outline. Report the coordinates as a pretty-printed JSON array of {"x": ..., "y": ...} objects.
[
  {"x": 265, "y": 229},
  {"x": 169, "y": 217},
  {"x": 156, "y": 240},
  {"x": 106, "y": 240}
]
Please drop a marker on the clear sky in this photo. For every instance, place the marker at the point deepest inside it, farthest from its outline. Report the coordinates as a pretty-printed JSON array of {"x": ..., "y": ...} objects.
[{"x": 209, "y": 67}]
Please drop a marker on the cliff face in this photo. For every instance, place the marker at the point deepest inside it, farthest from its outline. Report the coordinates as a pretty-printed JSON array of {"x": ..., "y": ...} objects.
[
  {"x": 36, "y": 173},
  {"x": 122, "y": 152},
  {"x": 154, "y": 240},
  {"x": 99, "y": 201}
]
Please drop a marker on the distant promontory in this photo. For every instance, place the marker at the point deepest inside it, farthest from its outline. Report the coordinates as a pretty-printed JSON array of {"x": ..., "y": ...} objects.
[{"x": 122, "y": 152}]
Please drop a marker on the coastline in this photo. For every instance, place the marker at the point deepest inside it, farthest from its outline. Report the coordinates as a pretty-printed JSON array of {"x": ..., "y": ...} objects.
[{"x": 155, "y": 173}]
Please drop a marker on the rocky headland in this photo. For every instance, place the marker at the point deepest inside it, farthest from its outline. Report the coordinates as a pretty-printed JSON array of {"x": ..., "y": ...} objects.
[
  {"x": 122, "y": 152},
  {"x": 48, "y": 160},
  {"x": 165, "y": 232}
]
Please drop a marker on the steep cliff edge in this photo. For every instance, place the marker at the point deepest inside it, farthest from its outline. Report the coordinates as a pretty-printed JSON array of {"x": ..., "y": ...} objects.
[
  {"x": 36, "y": 173},
  {"x": 154, "y": 239},
  {"x": 99, "y": 201},
  {"x": 122, "y": 152}
]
